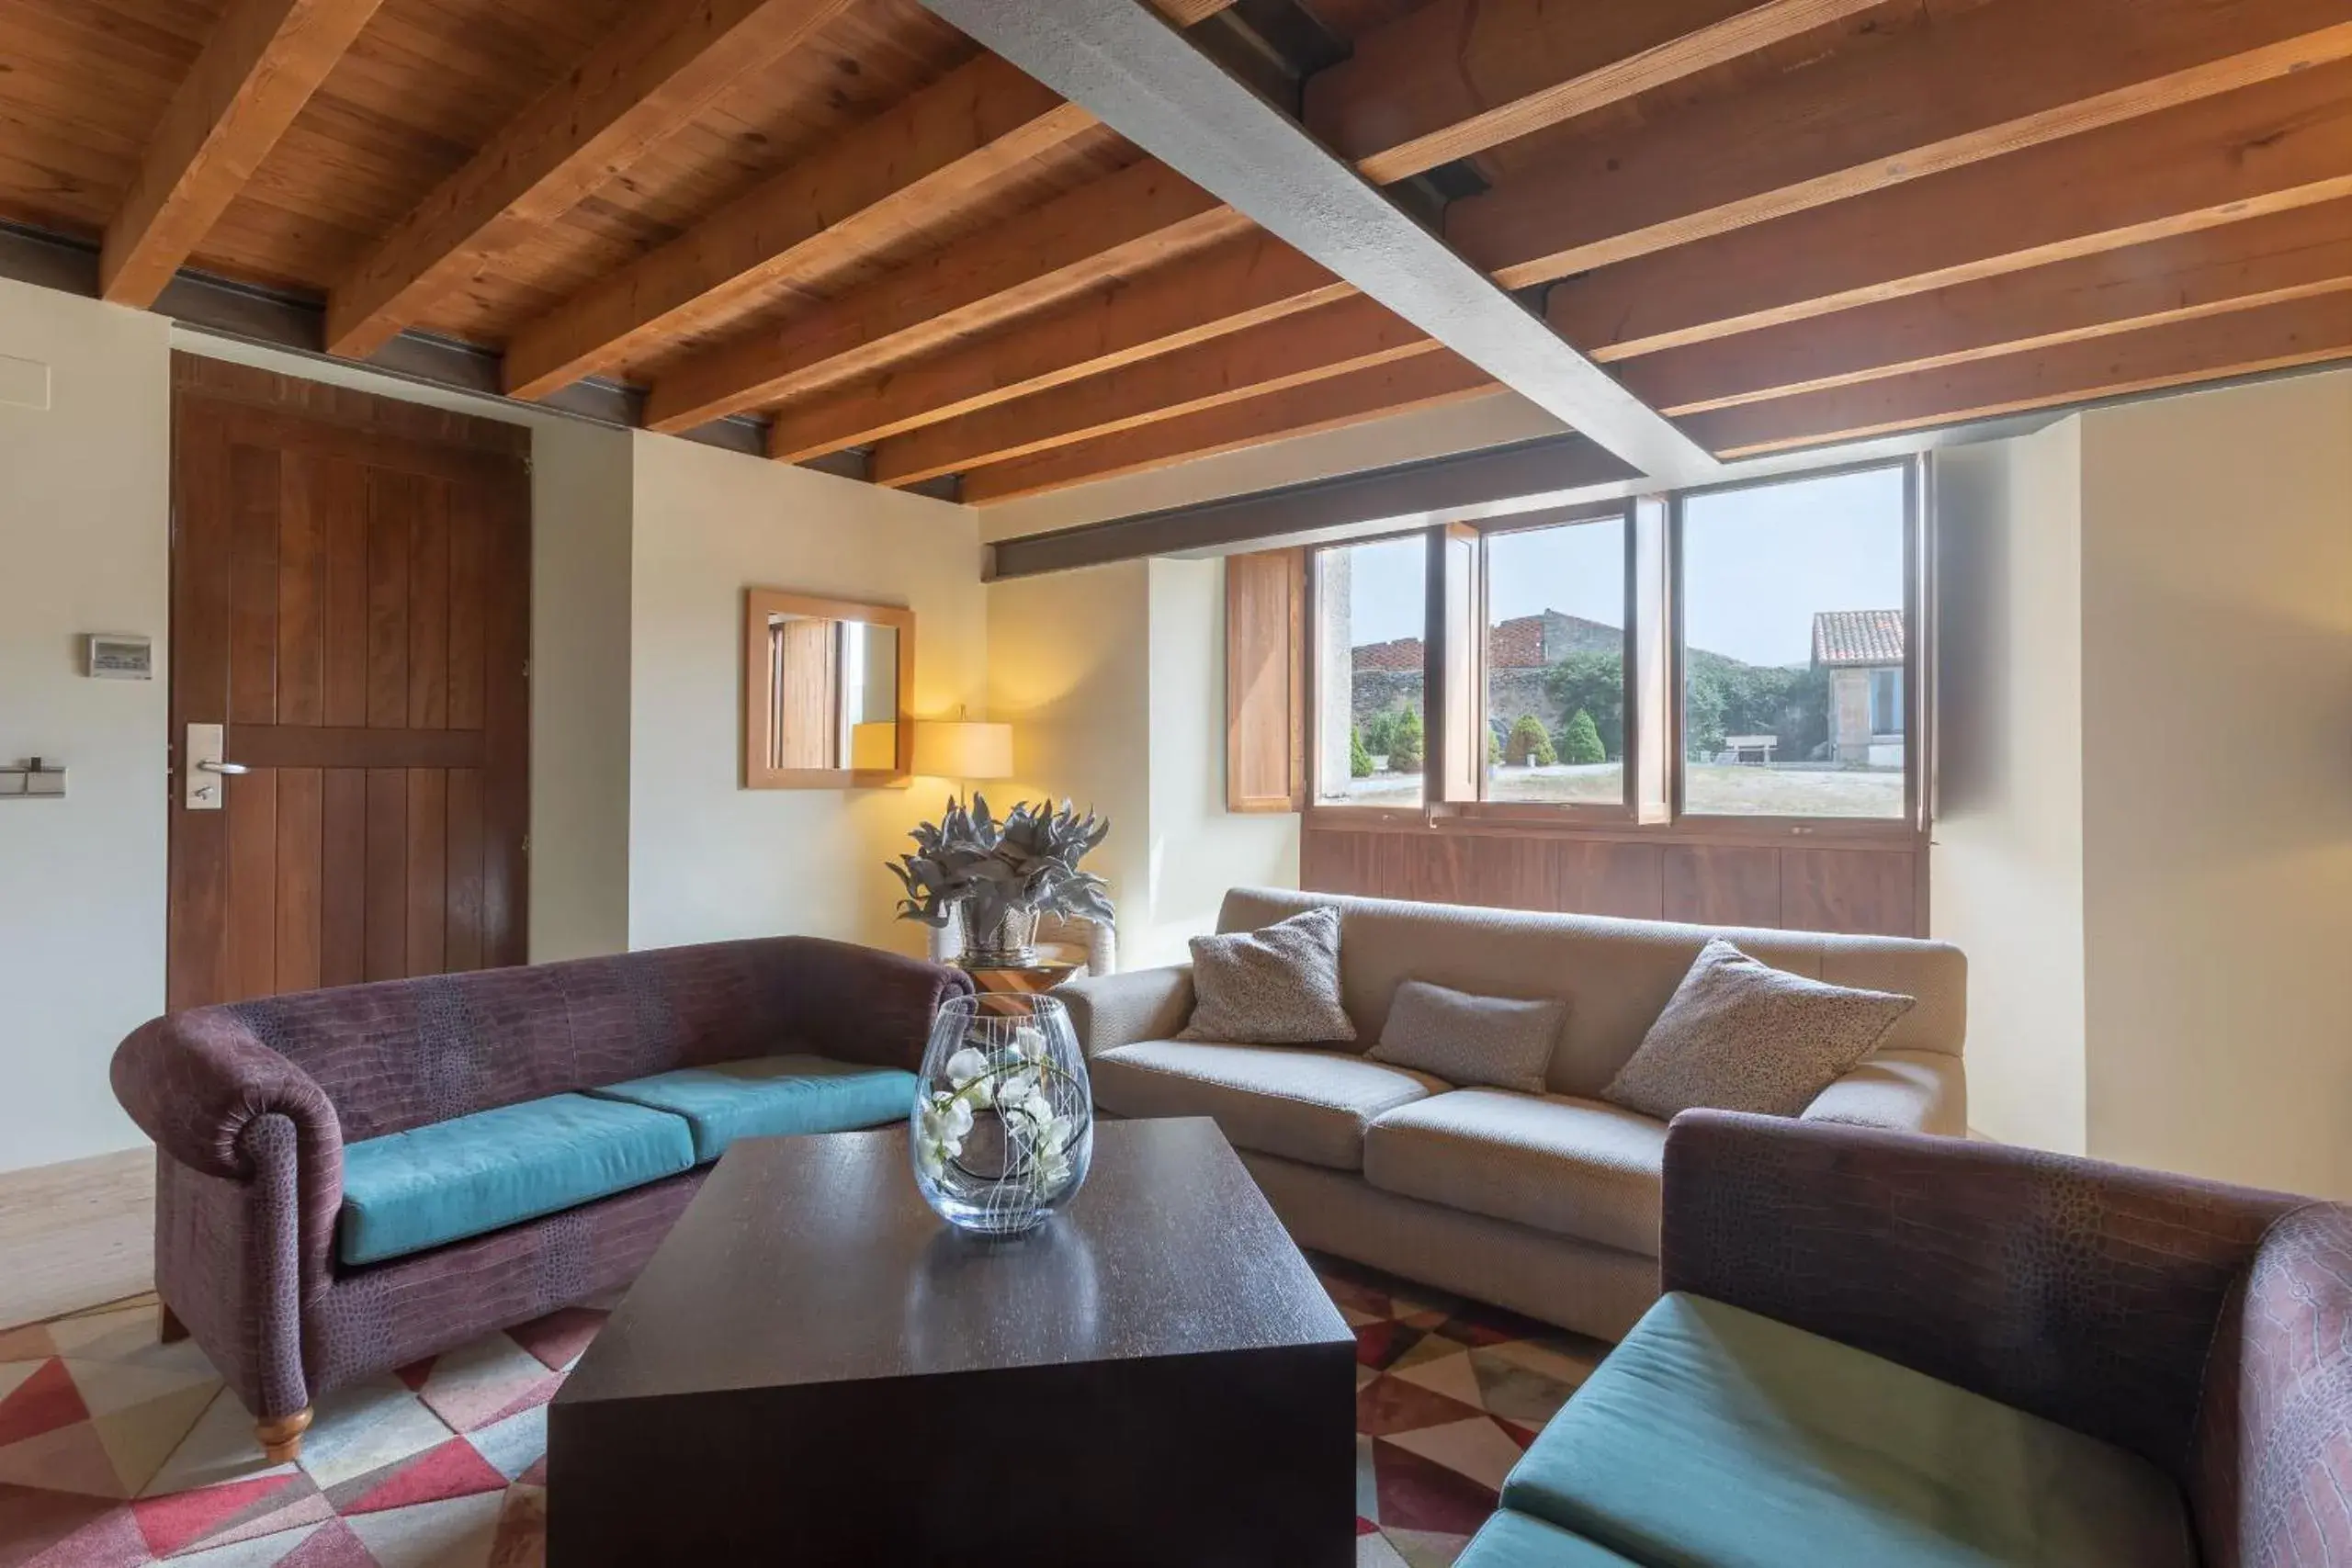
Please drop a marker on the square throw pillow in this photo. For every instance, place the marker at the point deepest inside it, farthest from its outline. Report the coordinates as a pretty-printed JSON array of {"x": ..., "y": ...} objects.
[
  {"x": 1275, "y": 986},
  {"x": 1499, "y": 1042},
  {"x": 1741, "y": 1035}
]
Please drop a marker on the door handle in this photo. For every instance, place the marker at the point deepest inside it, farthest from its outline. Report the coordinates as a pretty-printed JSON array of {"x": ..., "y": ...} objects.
[{"x": 203, "y": 756}]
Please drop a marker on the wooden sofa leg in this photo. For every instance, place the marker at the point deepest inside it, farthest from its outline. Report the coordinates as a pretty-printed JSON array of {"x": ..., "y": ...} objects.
[
  {"x": 169, "y": 1329},
  {"x": 281, "y": 1438}
]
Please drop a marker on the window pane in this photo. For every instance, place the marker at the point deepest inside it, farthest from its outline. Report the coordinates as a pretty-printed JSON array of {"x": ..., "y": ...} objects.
[
  {"x": 1555, "y": 664},
  {"x": 1793, "y": 643},
  {"x": 1372, "y": 605}
]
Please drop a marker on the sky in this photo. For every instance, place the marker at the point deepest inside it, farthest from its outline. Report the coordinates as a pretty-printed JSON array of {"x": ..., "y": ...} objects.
[{"x": 1756, "y": 564}]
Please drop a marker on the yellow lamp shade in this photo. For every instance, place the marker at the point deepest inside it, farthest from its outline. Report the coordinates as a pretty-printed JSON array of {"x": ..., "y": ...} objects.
[
  {"x": 963, "y": 749},
  {"x": 874, "y": 748}
]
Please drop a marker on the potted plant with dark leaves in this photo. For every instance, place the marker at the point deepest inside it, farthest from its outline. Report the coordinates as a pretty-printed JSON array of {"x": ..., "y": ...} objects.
[{"x": 1003, "y": 875}]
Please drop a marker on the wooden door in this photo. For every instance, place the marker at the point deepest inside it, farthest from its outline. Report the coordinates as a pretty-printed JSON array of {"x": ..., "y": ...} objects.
[{"x": 351, "y": 598}]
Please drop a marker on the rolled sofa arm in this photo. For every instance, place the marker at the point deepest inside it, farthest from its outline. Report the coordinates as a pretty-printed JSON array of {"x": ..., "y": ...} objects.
[
  {"x": 1903, "y": 1091},
  {"x": 197, "y": 1081},
  {"x": 1111, "y": 1010},
  {"x": 2082, "y": 1292},
  {"x": 861, "y": 1004}
]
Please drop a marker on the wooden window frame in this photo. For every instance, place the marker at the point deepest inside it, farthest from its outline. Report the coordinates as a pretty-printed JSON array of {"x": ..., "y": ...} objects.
[
  {"x": 1911, "y": 827},
  {"x": 1312, "y": 620},
  {"x": 1563, "y": 813}
]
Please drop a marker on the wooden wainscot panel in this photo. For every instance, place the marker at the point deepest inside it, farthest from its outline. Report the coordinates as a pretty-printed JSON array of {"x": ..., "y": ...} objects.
[
  {"x": 1723, "y": 884},
  {"x": 1869, "y": 891},
  {"x": 1611, "y": 876}
]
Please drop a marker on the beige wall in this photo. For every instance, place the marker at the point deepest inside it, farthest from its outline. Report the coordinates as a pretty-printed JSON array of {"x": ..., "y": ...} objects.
[
  {"x": 580, "y": 636},
  {"x": 2007, "y": 868},
  {"x": 2146, "y": 840},
  {"x": 1114, "y": 678},
  {"x": 708, "y": 860},
  {"x": 85, "y": 535},
  {"x": 2216, "y": 704}
]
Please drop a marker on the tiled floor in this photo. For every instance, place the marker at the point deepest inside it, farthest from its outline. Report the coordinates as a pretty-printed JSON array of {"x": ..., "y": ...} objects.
[{"x": 116, "y": 1450}]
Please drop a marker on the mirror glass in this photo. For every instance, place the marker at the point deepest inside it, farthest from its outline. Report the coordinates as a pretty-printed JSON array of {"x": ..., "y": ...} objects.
[{"x": 835, "y": 685}]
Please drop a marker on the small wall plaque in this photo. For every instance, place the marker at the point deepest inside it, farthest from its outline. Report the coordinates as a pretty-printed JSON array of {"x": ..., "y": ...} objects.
[{"x": 119, "y": 657}]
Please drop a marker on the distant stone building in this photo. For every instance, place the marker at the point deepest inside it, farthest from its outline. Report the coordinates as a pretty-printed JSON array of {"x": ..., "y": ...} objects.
[
  {"x": 1863, "y": 653},
  {"x": 1387, "y": 675}
]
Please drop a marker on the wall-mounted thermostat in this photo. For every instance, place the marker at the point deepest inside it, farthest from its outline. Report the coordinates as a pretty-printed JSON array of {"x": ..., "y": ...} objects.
[{"x": 114, "y": 658}]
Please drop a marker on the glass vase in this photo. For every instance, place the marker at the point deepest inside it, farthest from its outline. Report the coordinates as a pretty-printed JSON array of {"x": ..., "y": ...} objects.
[{"x": 1003, "y": 1128}]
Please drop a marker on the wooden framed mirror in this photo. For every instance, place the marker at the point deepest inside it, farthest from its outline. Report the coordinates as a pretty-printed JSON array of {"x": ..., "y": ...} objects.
[{"x": 827, "y": 684}]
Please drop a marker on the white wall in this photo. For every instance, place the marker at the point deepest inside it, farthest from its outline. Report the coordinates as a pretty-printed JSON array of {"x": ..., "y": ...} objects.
[
  {"x": 85, "y": 534},
  {"x": 1198, "y": 849},
  {"x": 1114, "y": 678},
  {"x": 2007, "y": 866},
  {"x": 2217, "y": 704},
  {"x": 706, "y": 859}
]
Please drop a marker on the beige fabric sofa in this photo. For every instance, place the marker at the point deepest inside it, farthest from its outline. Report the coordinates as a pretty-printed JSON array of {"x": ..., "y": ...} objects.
[{"x": 1546, "y": 1204}]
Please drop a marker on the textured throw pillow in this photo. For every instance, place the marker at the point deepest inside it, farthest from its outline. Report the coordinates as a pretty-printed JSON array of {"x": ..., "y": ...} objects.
[
  {"x": 1496, "y": 1041},
  {"x": 1741, "y": 1035},
  {"x": 1275, "y": 986}
]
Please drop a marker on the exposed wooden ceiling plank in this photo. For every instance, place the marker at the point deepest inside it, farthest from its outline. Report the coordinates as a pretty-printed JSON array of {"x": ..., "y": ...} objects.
[
  {"x": 955, "y": 135},
  {"x": 1455, "y": 78},
  {"x": 1932, "y": 96},
  {"x": 2276, "y": 337},
  {"x": 1423, "y": 381},
  {"x": 2221, "y": 161},
  {"x": 636, "y": 87},
  {"x": 1241, "y": 282},
  {"x": 1143, "y": 216},
  {"x": 2265, "y": 261},
  {"x": 1184, "y": 13},
  {"x": 261, "y": 63},
  {"x": 1157, "y": 89},
  {"x": 1314, "y": 345}
]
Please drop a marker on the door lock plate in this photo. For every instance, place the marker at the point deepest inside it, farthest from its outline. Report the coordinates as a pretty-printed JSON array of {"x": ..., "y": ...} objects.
[{"x": 199, "y": 788}]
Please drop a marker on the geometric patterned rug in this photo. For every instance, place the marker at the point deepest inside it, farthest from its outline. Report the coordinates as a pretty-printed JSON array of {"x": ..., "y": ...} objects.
[{"x": 116, "y": 1451}]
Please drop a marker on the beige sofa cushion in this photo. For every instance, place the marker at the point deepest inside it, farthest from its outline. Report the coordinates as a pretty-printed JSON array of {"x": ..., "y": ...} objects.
[
  {"x": 1577, "y": 1167},
  {"x": 1305, "y": 1105},
  {"x": 1616, "y": 975}
]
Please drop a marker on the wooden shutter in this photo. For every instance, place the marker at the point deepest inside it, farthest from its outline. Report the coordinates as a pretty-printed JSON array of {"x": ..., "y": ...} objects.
[{"x": 1265, "y": 681}]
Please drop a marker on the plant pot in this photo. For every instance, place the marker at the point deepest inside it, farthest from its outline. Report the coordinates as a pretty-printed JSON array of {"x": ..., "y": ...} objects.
[{"x": 1010, "y": 944}]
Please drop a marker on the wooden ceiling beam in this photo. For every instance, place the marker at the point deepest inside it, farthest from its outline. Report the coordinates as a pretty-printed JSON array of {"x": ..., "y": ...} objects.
[
  {"x": 2221, "y": 161},
  {"x": 1243, "y": 282},
  {"x": 665, "y": 64},
  {"x": 261, "y": 63},
  {"x": 1426, "y": 381},
  {"x": 2289, "y": 255},
  {"x": 1143, "y": 216},
  {"x": 2274, "y": 337},
  {"x": 853, "y": 195},
  {"x": 1938, "y": 92},
  {"x": 1314, "y": 345},
  {"x": 1457, "y": 77}
]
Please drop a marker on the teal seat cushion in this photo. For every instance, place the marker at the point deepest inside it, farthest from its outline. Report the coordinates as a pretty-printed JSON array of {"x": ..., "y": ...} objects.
[
  {"x": 772, "y": 1096},
  {"x": 1520, "y": 1541},
  {"x": 432, "y": 1185},
  {"x": 1715, "y": 1436}
]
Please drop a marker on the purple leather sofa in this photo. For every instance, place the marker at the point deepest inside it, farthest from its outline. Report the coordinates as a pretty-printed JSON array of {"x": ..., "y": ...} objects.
[
  {"x": 2194, "y": 1336},
  {"x": 251, "y": 1104}
]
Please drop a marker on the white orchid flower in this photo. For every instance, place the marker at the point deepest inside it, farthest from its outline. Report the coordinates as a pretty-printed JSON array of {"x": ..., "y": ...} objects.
[
  {"x": 1029, "y": 1043},
  {"x": 965, "y": 1066}
]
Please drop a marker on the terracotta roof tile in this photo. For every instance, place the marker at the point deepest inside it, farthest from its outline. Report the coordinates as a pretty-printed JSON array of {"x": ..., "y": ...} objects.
[{"x": 1858, "y": 636}]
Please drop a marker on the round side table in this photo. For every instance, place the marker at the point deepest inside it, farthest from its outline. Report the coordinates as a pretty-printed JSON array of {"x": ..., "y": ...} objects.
[{"x": 1042, "y": 976}]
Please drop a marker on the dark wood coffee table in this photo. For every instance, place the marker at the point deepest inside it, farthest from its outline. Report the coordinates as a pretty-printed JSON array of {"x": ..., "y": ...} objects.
[{"x": 814, "y": 1369}]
